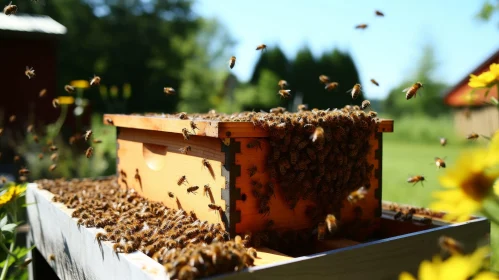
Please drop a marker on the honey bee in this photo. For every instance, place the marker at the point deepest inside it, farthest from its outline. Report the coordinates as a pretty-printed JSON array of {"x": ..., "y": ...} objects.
[
  {"x": 207, "y": 164},
  {"x": 324, "y": 79},
  {"x": 51, "y": 257},
  {"x": 69, "y": 89},
  {"x": 206, "y": 190},
  {"x": 29, "y": 129},
  {"x": 3, "y": 179},
  {"x": 331, "y": 86},
  {"x": 215, "y": 207},
  {"x": 472, "y": 136},
  {"x": 88, "y": 133},
  {"x": 318, "y": 134},
  {"x": 10, "y": 9},
  {"x": 169, "y": 91},
  {"x": 182, "y": 180},
  {"x": 194, "y": 126},
  {"x": 17, "y": 158},
  {"x": 23, "y": 171},
  {"x": 12, "y": 118},
  {"x": 443, "y": 141},
  {"x": 374, "y": 82},
  {"x": 282, "y": 84},
  {"x": 284, "y": 93},
  {"x": 412, "y": 91},
  {"x": 23, "y": 178},
  {"x": 361, "y": 26},
  {"x": 186, "y": 133},
  {"x": 440, "y": 163},
  {"x": 95, "y": 81},
  {"x": 232, "y": 62},
  {"x": 52, "y": 167},
  {"x": 40, "y": 156},
  {"x": 185, "y": 149},
  {"x": 355, "y": 91},
  {"x": 53, "y": 148},
  {"x": 89, "y": 152},
  {"x": 30, "y": 72},
  {"x": 331, "y": 223},
  {"x": 451, "y": 245},
  {"x": 55, "y": 102},
  {"x": 25, "y": 263},
  {"x": 54, "y": 156},
  {"x": 109, "y": 121},
  {"x": 97, "y": 141},
  {"x": 416, "y": 179},
  {"x": 357, "y": 195},
  {"x": 321, "y": 231},
  {"x": 192, "y": 189},
  {"x": 378, "y": 13},
  {"x": 261, "y": 47},
  {"x": 42, "y": 92},
  {"x": 1, "y": 131},
  {"x": 365, "y": 104},
  {"x": 302, "y": 107},
  {"x": 254, "y": 144}
]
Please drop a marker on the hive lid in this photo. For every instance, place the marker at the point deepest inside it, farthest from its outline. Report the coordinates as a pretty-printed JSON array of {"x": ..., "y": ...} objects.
[{"x": 209, "y": 128}]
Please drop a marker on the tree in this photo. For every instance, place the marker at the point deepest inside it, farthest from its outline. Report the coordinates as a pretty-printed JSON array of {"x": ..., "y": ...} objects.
[
  {"x": 272, "y": 59},
  {"x": 488, "y": 10}
]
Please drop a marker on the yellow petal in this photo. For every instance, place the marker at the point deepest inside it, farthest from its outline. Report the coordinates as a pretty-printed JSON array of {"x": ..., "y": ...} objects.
[
  {"x": 494, "y": 69},
  {"x": 496, "y": 188},
  {"x": 487, "y": 77},
  {"x": 428, "y": 271},
  {"x": 476, "y": 258},
  {"x": 406, "y": 276},
  {"x": 486, "y": 275}
]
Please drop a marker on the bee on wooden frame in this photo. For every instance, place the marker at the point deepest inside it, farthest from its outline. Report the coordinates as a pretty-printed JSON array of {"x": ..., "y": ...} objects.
[
  {"x": 194, "y": 127},
  {"x": 186, "y": 133},
  {"x": 357, "y": 195},
  {"x": 182, "y": 180},
  {"x": 252, "y": 170},
  {"x": 185, "y": 149},
  {"x": 192, "y": 189},
  {"x": 207, "y": 164},
  {"x": 254, "y": 144},
  {"x": 206, "y": 190}
]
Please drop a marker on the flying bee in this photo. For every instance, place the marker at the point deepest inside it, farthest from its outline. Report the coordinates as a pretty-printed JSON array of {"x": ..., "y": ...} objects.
[
  {"x": 17, "y": 158},
  {"x": 88, "y": 133},
  {"x": 29, "y": 72},
  {"x": 374, "y": 82},
  {"x": 182, "y": 180},
  {"x": 10, "y": 9},
  {"x": 355, "y": 91},
  {"x": 95, "y": 81},
  {"x": 185, "y": 149},
  {"x": 186, "y": 133},
  {"x": 40, "y": 156},
  {"x": 192, "y": 189},
  {"x": 42, "y": 92},
  {"x": 89, "y": 152},
  {"x": 23, "y": 171},
  {"x": 55, "y": 102},
  {"x": 232, "y": 62},
  {"x": 450, "y": 245},
  {"x": 361, "y": 26},
  {"x": 3, "y": 180},
  {"x": 261, "y": 47},
  {"x": 254, "y": 144},
  {"x": 97, "y": 141},
  {"x": 284, "y": 93},
  {"x": 169, "y": 91},
  {"x": 282, "y": 84},
  {"x": 357, "y": 195},
  {"x": 379, "y": 13},
  {"x": 440, "y": 163},
  {"x": 54, "y": 156},
  {"x": 412, "y": 91},
  {"x": 12, "y": 118},
  {"x": 331, "y": 86},
  {"x": 365, "y": 104},
  {"x": 443, "y": 141},
  {"x": 52, "y": 167},
  {"x": 170, "y": 194},
  {"x": 318, "y": 134},
  {"x": 416, "y": 179},
  {"x": 331, "y": 223},
  {"x": 69, "y": 89},
  {"x": 53, "y": 148},
  {"x": 29, "y": 129},
  {"x": 472, "y": 136},
  {"x": 324, "y": 79}
]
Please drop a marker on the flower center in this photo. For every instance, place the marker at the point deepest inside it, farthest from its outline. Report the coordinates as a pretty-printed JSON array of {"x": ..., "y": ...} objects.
[{"x": 477, "y": 185}]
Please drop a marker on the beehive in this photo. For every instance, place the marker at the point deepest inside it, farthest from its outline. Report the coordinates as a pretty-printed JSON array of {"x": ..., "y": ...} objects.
[{"x": 149, "y": 160}]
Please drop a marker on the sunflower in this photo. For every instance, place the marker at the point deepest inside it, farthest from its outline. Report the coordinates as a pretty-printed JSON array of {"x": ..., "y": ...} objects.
[
  {"x": 457, "y": 267},
  {"x": 469, "y": 182},
  {"x": 485, "y": 79},
  {"x": 11, "y": 194}
]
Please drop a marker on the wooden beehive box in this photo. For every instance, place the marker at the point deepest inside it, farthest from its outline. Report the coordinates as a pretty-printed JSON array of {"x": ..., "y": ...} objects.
[{"x": 149, "y": 161}]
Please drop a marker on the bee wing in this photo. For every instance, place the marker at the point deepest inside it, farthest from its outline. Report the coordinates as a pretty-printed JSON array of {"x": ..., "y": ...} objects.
[
  {"x": 406, "y": 89},
  {"x": 486, "y": 137},
  {"x": 350, "y": 90}
]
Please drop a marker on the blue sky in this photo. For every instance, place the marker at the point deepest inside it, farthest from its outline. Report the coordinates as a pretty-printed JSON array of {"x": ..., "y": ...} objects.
[{"x": 388, "y": 50}]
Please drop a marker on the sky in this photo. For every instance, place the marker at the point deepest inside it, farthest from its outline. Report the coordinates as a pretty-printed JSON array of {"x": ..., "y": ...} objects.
[{"x": 388, "y": 50}]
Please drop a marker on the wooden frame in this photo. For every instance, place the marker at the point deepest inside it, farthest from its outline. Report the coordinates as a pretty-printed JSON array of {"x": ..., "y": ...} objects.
[{"x": 78, "y": 256}]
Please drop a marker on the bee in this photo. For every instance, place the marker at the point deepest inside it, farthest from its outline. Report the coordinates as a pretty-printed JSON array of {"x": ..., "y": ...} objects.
[
  {"x": 51, "y": 257},
  {"x": 185, "y": 149},
  {"x": 324, "y": 79},
  {"x": 261, "y": 47},
  {"x": 25, "y": 263},
  {"x": 89, "y": 152},
  {"x": 10, "y": 9},
  {"x": 30, "y": 72},
  {"x": 88, "y": 133},
  {"x": 170, "y": 194},
  {"x": 17, "y": 158},
  {"x": 1, "y": 131},
  {"x": 252, "y": 170},
  {"x": 194, "y": 126},
  {"x": 53, "y": 148},
  {"x": 331, "y": 86},
  {"x": 302, "y": 107},
  {"x": 12, "y": 118},
  {"x": 379, "y": 13},
  {"x": 23, "y": 171},
  {"x": 169, "y": 90},
  {"x": 40, "y": 156},
  {"x": 55, "y": 102},
  {"x": 42, "y": 92},
  {"x": 472, "y": 136},
  {"x": 182, "y": 180},
  {"x": 318, "y": 134},
  {"x": 254, "y": 144},
  {"x": 357, "y": 195},
  {"x": 52, "y": 167},
  {"x": 443, "y": 141},
  {"x": 207, "y": 164},
  {"x": 54, "y": 156},
  {"x": 416, "y": 179},
  {"x": 192, "y": 189},
  {"x": 331, "y": 223},
  {"x": 29, "y": 129},
  {"x": 355, "y": 91},
  {"x": 23, "y": 178},
  {"x": 186, "y": 133},
  {"x": 374, "y": 82},
  {"x": 206, "y": 190},
  {"x": 321, "y": 231},
  {"x": 361, "y": 26},
  {"x": 95, "y": 81},
  {"x": 69, "y": 89},
  {"x": 215, "y": 207},
  {"x": 440, "y": 163},
  {"x": 3, "y": 179},
  {"x": 451, "y": 245},
  {"x": 232, "y": 62},
  {"x": 282, "y": 84},
  {"x": 109, "y": 121},
  {"x": 365, "y": 104},
  {"x": 412, "y": 91},
  {"x": 97, "y": 141},
  {"x": 284, "y": 93}
]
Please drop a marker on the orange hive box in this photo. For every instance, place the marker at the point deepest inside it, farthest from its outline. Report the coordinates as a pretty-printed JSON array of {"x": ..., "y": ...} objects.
[{"x": 149, "y": 161}]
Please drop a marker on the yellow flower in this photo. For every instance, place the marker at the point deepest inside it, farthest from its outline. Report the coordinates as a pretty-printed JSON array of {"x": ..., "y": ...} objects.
[
  {"x": 486, "y": 79},
  {"x": 66, "y": 100},
  {"x": 80, "y": 83},
  {"x": 494, "y": 69},
  {"x": 469, "y": 182},
  {"x": 457, "y": 267},
  {"x": 18, "y": 190},
  {"x": 6, "y": 197}
]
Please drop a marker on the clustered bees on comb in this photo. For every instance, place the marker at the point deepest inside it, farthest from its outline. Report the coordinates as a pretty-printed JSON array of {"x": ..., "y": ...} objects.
[
  {"x": 318, "y": 155},
  {"x": 187, "y": 247}
]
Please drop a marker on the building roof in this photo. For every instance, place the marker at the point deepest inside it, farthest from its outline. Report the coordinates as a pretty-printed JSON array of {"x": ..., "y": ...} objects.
[
  {"x": 459, "y": 95},
  {"x": 31, "y": 24}
]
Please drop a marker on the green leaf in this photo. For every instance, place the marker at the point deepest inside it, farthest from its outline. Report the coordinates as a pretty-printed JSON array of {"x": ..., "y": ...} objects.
[
  {"x": 3, "y": 221},
  {"x": 28, "y": 204},
  {"x": 487, "y": 92},
  {"x": 9, "y": 228}
]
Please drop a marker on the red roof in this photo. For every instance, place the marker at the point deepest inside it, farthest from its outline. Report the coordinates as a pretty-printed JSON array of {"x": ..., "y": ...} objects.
[{"x": 460, "y": 94}]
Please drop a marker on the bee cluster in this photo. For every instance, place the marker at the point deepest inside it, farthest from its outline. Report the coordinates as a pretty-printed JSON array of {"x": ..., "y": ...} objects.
[
  {"x": 317, "y": 155},
  {"x": 405, "y": 213},
  {"x": 187, "y": 247}
]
